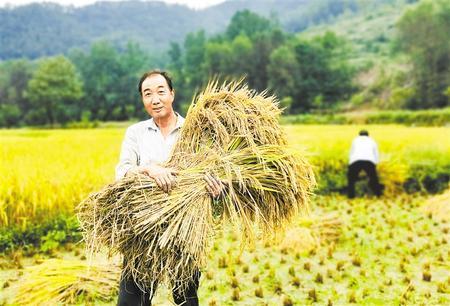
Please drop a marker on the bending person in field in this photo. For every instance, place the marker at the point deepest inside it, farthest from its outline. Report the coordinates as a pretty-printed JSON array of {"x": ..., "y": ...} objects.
[
  {"x": 363, "y": 157},
  {"x": 146, "y": 146}
]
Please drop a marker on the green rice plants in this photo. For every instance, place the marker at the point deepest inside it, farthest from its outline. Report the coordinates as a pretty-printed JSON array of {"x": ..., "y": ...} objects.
[
  {"x": 236, "y": 294},
  {"x": 402, "y": 267},
  {"x": 287, "y": 301},
  {"x": 277, "y": 287},
  {"x": 319, "y": 278},
  {"x": 259, "y": 293},
  {"x": 222, "y": 262},
  {"x": 443, "y": 287},
  {"x": 356, "y": 260},
  {"x": 212, "y": 302},
  {"x": 245, "y": 269},
  {"x": 426, "y": 276},
  {"x": 330, "y": 251},
  {"x": 352, "y": 297},
  {"x": 295, "y": 282},
  {"x": 231, "y": 271},
  {"x": 340, "y": 265},
  {"x": 255, "y": 279},
  {"x": 321, "y": 260},
  {"x": 238, "y": 261},
  {"x": 330, "y": 273},
  {"x": 234, "y": 283},
  {"x": 312, "y": 295},
  {"x": 307, "y": 266},
  {"x": 291, "y": 271}
]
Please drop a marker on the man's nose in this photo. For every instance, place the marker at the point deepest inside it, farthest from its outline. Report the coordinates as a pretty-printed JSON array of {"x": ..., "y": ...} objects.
[{"x": 155, "y": 99}]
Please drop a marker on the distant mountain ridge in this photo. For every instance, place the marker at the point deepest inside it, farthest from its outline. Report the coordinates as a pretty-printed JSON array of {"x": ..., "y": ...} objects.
[{"x": 37, "y": 30}]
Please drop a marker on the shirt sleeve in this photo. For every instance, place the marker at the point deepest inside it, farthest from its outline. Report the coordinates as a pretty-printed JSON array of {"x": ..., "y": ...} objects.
[{"x": 129, "y": 155}]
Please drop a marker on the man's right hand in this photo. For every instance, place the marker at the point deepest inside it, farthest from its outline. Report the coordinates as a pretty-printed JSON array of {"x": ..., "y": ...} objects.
[{"x": 164, "y": 177}]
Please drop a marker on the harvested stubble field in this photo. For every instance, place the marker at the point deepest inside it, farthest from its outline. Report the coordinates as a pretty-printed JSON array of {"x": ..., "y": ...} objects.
[{"x": 389, "y": 251}]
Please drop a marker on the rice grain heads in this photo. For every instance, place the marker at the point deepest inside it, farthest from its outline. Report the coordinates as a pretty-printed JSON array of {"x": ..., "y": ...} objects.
[{"x": 231, "y": 132}]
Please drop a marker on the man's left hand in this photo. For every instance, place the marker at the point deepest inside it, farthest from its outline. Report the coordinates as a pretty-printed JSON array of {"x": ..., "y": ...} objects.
[{"x": 214, "y": 186}]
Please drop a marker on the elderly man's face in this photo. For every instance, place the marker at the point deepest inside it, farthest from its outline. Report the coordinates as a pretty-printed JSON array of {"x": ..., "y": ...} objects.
[{"x": 157, "y": 97}]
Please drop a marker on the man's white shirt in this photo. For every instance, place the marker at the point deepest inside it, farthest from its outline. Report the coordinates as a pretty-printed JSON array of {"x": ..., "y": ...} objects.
[
  {"x": 144, "y": 144},
  {"x": 364, "y": 148}
]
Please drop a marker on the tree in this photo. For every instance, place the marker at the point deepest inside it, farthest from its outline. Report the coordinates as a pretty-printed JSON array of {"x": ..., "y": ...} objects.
[
  {"x": 110, "y": 79},
  {"x": 247, "y": 23},
  {"x": 54, "y": 91},
  {"x": 100, "y": 69},
  {"x": 133, "y": 62},
  {"x": 423, "y": 33},
  {"x": 282, "y": 71},
  {"x": 13, "y": 82},
  {"x": 314, "y": 73}
]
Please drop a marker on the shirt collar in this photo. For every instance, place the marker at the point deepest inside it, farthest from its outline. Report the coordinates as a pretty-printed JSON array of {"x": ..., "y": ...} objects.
[{"x": 150, "y": 123}]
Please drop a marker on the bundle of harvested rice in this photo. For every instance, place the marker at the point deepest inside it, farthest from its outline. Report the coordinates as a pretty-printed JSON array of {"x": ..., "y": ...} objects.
[
  {"x": 231, "y": 132},
  {"x": 439, "y": 206},
  {"x": 65, "y": 282},
  {"x": 299, "y": 239},
  {"x": 312, "y": 231}
]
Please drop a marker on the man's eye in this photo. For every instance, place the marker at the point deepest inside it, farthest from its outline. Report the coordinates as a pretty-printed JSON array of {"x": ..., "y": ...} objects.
[{"x": 161, "y": 92}]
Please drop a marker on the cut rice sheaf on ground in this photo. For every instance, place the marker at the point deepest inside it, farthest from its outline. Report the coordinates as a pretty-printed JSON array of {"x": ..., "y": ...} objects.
[
  {"x": 439, "y": 206},
  {"x": 58, "y": 281},
  {"x": 231, "y": 132}
]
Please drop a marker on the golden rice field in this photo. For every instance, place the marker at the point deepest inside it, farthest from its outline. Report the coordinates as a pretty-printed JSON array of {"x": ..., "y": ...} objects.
[{"x": 46, "y": 172}]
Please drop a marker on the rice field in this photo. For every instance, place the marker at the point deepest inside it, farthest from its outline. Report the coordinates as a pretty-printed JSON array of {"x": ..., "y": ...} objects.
[
  {"x": 47, "y": 172},
  {"x": 388, "y": 251}
]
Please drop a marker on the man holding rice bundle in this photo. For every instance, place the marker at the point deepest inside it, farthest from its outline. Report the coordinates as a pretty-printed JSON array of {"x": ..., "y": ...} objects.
[
  {"x": 166, "y": 229},
  {"x": 146, "y": 146}
]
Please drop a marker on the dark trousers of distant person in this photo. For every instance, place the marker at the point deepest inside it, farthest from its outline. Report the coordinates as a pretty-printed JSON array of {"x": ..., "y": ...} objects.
[
  {"x": 352, "y": 176},
  {"x": 131, "y": 295}
]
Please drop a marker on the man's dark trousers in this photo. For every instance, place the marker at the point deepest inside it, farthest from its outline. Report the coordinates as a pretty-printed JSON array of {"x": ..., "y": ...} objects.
[
  {"x": 131, "y": 295},
  {"x": 352, "y": 176}
]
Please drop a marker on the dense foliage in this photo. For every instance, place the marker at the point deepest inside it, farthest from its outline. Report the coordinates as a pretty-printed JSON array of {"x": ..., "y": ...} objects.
[
  {"x": 424, "y": 35},
  {"x": 429, "y": 117}
]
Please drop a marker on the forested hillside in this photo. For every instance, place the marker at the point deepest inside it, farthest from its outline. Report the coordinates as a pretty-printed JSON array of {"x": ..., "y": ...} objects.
[{"x": 37, "y": 30}]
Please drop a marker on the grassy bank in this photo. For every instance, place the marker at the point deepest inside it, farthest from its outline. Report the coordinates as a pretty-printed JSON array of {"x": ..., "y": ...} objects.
[{"x": 432, "y": 117}]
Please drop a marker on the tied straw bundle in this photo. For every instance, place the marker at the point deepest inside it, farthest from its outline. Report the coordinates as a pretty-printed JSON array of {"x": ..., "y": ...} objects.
[{"x": 231, "y": 132}]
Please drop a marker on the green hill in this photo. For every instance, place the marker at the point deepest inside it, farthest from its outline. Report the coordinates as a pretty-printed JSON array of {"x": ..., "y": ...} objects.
[{"x": 37, "y": 30}]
